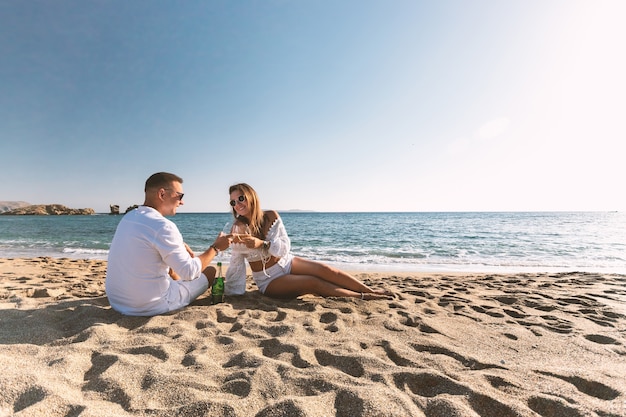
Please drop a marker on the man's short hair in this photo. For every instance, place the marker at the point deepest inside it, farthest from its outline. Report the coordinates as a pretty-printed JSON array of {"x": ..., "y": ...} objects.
[{"x": 161, "y": 180}]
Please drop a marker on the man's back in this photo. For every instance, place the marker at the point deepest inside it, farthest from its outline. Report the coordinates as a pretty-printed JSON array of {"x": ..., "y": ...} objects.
[{"x": 137, "y": 278}]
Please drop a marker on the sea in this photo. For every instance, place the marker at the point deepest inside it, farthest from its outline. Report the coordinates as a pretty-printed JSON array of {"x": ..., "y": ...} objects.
[{"x": 371, "y": 242}]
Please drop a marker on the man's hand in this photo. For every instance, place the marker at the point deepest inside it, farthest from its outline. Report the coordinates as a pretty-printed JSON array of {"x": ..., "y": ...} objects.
[
  {"x": 189, "y": 251},
  {"x": 222, "y": 242},
  {"x": 173, "y": 274}
]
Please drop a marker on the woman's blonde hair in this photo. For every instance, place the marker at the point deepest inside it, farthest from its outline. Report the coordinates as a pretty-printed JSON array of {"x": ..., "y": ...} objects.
[{"x": 255, "y": 222}]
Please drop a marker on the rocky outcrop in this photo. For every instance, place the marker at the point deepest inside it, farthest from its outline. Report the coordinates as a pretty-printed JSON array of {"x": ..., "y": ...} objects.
[
  {"x": 115, "y": 209},
  {"x": 131, "y": 208},
  {"x": 12, "y": 205},
  {"x": 47, "y": 210}
]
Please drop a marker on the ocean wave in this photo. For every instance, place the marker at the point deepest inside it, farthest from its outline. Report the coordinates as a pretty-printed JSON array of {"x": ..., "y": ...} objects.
[
  {"x": 85, "y": 251},
  {"x": 404, "y": 241}
]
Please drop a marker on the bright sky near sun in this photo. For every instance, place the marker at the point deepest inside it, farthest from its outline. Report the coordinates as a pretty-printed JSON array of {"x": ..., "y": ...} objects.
[{"x": 319, "y": 105}]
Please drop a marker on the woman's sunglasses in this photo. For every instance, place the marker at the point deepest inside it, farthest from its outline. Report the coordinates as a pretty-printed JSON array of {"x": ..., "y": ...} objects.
[{"x": 240, "y": 199}]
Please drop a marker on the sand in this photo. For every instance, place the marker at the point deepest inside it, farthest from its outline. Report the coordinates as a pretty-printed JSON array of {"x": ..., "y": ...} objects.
[{"x": 446, "y": 345}]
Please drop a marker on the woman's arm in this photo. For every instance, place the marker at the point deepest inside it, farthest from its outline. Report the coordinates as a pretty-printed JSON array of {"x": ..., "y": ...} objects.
[{"x": 277, "y": 241}]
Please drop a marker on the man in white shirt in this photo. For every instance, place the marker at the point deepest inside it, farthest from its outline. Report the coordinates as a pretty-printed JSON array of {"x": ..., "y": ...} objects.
[{"x": 147, "y": 248}]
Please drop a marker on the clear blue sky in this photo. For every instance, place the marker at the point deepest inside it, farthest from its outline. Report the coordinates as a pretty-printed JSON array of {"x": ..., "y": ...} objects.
[{"x": 319, "y": 105}]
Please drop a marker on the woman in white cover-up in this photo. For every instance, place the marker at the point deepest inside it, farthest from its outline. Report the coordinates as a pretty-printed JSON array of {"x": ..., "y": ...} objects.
[{"x": 260, "y": 238}]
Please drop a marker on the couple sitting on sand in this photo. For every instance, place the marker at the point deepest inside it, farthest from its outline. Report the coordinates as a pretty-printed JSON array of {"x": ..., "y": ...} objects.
[{"x": 152, "y": 271}]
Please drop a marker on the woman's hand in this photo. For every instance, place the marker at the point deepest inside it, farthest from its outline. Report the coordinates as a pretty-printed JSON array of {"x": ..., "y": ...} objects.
[
  {"x": 237, "y": 237},
  {"x": 249, "y": 241}
]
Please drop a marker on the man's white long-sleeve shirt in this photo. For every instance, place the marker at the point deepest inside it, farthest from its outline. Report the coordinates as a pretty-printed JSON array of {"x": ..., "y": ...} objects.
[{"x": 145, "y": 245}]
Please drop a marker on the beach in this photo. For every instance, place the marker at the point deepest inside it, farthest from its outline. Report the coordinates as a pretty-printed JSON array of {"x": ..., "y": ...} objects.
[{"x": 458, "y": 344}]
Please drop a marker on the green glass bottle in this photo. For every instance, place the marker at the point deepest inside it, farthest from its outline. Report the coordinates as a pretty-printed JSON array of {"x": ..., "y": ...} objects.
[{"x": 217, "y": 290}]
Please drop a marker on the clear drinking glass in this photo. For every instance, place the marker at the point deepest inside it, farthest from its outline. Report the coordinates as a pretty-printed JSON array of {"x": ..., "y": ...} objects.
[
  {"x": 228, "y": 227},
  {"x": 240, "y": 230}
]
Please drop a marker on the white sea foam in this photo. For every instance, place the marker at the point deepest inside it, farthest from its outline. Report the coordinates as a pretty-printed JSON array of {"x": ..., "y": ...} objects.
[{"x": 86, "y": 253}]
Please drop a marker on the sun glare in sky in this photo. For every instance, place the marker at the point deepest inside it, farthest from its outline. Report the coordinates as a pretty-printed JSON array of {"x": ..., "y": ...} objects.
[{"x": 355, "y": 106}]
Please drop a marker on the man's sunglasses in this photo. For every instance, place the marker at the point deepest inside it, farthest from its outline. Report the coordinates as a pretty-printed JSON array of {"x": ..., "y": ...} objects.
[
  {"x": 178, "y": 195},
  {"x": 240, "y": 199}
]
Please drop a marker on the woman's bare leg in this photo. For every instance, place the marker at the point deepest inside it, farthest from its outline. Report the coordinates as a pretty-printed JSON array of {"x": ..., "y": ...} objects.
[
  {"x": 309, "y": 277},
  {"x": 300, "y": 266},
  {"x": 289, "y": 286}
]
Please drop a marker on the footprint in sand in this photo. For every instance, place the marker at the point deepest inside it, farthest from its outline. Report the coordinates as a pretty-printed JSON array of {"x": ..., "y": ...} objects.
[
  {"x": 281, "y": 315},
  {"x": 421, "y": 296},
  {"x": 31, "y": 396},
  {"x": 414, "y": 320},
  {"x": 515, "y": 314},
  {"x": 600, "y": 339},
  {"x": 99, "y": 364},
  {"x": 458, "y": 303},
  {"x": 551, "y": 407},
  {"x": 346, "y": 364},
  {"x": 469, "y": 363},
  {"x": 109, "y": 390},
  {"x": 443, "y": 394},
  {"x": 539, "y": 306},
  {"x": 157, "y": 352},
  {"x": 395, "y": 356},
  {"x": 224, "y": 318},
  {"x": 237, "y": 384},
  {"x": 499, "y": 383},
  {"x": 552, "y": 323},
  {"x": 601, "y": 316},
  {"x": 586, "y": 386},
  {"x": 488, "y": 310},
  {"x": 506, "y": 300},
  {"x": 331, "y": 320},
  {"x": 275, "y": 349}
]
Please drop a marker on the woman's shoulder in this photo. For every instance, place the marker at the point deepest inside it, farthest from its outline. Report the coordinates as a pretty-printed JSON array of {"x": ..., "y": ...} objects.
[
  {"x": 271, "y": 215},
  {"x": 270, "y": 219}
]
